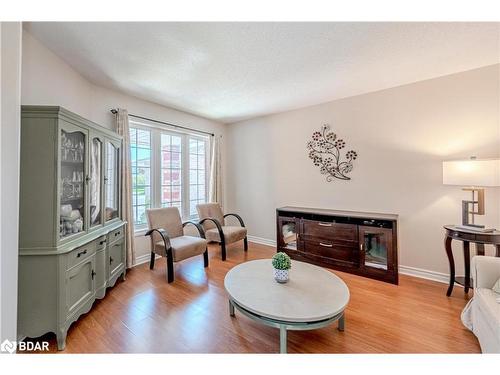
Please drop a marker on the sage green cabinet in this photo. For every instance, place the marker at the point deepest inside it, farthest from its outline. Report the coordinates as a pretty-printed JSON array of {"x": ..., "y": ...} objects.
[{"x": 72, "y": 236}]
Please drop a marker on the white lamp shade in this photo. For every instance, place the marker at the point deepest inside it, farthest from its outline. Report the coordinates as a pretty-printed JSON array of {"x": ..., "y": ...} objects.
[{"x": 472, "y": 172}]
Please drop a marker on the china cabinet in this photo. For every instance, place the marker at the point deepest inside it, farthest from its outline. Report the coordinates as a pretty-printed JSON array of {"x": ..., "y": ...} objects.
[
  {"x": 72, "y": 240},
  {"x": 356, "y": 242}
]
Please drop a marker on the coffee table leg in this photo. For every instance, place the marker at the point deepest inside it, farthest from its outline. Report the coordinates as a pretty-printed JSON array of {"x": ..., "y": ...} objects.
[
  {"x": 231, "y": 308},
  {"x": 283, "y": 339},
  {"x": 342, "y": 323}
]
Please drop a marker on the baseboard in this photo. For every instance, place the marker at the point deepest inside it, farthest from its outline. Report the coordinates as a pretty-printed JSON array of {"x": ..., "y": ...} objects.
[
  {"x": 143, "y": 259},
  {"x": 405, "y": 270},
  {"x": 425, "y": 274},
  {"x": 261, "y": 240}
]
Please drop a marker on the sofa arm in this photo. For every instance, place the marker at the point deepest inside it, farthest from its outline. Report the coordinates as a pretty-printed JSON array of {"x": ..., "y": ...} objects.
[{"x": 485, "y": 271}]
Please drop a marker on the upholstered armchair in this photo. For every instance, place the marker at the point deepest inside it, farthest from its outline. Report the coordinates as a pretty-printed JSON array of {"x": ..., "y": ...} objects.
[
  {"x": 482, "y": 313},
  {"x": 168, "y": 240},
  {"x": 213, "y": 220}
]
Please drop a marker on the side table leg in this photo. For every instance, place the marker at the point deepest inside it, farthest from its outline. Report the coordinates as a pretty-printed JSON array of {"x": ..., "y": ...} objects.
[
  {"x": 231, "y": 308},
  {"x": 480, "y": 248},
  {"x": 342, "y": 323},
  {"x": 449, "y": 253},
  {"x": 467, "y": 266},
  {"x": 283, "y": 339}
]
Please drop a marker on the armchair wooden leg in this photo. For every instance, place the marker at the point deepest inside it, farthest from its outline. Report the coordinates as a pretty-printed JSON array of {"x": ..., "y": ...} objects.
[
  {"x": 205, "y": 258},
  {"x": 223, "y": 249},
  {"x": 170, "y": 269},
  {"x": 152, "y": 261},
  {"x": 245, "y": 244}
]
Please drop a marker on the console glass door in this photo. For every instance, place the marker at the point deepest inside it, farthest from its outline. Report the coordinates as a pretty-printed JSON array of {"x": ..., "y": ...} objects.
[
  {"x": 288, "y": 229},
  {"x": 375, "y": 247}
]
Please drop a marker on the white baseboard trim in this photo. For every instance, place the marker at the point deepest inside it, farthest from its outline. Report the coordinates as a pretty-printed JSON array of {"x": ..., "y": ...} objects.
[
  {"x": 143, "y": 259},
  {"x": 405, "y": 270},
  {"x": 425, "y": 274},
  {"x": 261, "y": 240}
]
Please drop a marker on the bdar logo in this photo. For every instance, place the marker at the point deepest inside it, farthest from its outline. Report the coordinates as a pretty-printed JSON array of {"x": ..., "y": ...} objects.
[{"x": 8, "y": 346}]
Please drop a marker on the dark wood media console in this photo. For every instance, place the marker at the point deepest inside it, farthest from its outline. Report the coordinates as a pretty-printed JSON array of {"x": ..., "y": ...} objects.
[{"x": 357, "y": 242}]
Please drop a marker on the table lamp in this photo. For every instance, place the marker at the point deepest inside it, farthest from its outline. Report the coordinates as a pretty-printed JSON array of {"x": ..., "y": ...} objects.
[{"x": 473, "y": 175}]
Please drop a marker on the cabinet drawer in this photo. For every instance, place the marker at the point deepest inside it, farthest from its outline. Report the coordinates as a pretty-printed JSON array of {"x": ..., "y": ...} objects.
[
  {"x": 79, "y": 285},
  {"x": 329, "y": 230},
  {"x": 101, "y": 243},
  {"x": 116, "y": 234},
  {"x": 116, "y": 257},
  {"x": 332, "y": 250},
  {"x": 80, "y": 254}
]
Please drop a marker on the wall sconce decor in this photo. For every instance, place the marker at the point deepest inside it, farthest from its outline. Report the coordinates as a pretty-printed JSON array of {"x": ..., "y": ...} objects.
[
  {"x": 324, "y": 151},
  {"x": 473, "y": 175}
]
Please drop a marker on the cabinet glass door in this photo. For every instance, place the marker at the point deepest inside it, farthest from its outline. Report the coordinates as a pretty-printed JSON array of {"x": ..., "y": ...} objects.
[
  {"x": 112, "y": 181},
  {"x": 375, "y": 247},
  {"x": 95, "y": 182},
  {"x": 72, "y": 183},
  {"x": 288, "y": 233}
]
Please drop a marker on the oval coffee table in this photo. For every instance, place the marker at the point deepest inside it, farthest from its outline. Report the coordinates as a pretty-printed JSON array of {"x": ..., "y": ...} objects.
[{"x": 312, "y": 298}]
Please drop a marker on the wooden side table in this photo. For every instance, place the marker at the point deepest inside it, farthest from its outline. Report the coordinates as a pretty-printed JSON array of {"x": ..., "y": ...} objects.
[{"x": 467, "y": 236}]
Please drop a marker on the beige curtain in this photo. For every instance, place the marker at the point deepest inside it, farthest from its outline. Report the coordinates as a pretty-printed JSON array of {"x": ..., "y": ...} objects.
[
  {"x": 122, "y": 127},
  {"x": 215, "y": 185}
]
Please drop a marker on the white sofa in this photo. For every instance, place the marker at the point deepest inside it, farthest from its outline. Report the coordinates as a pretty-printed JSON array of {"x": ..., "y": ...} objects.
[{"x": 482, "y": 313}]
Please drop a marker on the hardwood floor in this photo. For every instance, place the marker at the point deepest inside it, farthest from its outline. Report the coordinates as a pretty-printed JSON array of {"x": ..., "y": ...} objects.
[{"x": 145, "y": 314}]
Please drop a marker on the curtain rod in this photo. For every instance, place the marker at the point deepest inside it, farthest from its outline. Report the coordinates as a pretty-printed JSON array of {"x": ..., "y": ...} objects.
[{"x": 115, "y": 111}]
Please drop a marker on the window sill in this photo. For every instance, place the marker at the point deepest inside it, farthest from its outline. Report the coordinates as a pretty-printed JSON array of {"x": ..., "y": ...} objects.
[{"x": 140, "y": 232}]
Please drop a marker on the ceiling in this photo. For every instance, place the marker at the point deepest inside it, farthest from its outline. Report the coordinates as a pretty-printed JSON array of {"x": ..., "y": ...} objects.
[{"x": 234, "y": 71}]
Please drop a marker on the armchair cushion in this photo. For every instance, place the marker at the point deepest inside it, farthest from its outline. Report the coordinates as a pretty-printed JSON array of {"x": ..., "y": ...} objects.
[
  {"x": 212, "y": 210},
  {"x": 183, "y": 247},
  {"x": 231, "y": 234}
]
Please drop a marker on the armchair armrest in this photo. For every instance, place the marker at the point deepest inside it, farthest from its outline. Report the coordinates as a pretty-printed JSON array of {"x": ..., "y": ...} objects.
[
  {"x": 164, "y": 235},
  {"x": 237, "y": 217},
  {"x": 217, "y": 224},
  {"x": 197, "y": 225},
  {"x": 485, "y": 271}
]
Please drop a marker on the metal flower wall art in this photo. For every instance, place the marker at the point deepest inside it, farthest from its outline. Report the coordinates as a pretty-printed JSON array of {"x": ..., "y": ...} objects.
[{"x": 325, "y": 149}]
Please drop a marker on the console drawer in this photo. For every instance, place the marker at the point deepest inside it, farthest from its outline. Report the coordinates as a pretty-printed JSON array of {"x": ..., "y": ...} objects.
[
  {"x": 331, "y": 250},
  {"x": 330, "y": 230}
]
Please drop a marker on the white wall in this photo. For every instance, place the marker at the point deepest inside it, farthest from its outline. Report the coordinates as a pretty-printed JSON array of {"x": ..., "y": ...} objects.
[
  {"x": 10, "y": 96},
  {"x": 401, "y": 136},
  {"x": 48, "y": 80}
]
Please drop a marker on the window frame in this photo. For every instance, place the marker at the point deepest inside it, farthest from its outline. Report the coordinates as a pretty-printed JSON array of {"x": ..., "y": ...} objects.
[{"x": 156, "y": 166}]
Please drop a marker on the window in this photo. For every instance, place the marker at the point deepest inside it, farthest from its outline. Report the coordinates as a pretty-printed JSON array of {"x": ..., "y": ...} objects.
[
  {"x": 169, "y": 169},
  {"x": 197, "y": 182},
  {"x": 140, "y": 156}
]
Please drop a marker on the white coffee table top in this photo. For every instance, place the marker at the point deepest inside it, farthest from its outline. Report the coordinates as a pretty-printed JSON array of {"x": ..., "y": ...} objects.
[{"x": 311, "y": 294}]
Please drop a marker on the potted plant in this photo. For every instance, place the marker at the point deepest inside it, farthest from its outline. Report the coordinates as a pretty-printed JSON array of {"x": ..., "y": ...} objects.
[{"x": 281, "y": 265}]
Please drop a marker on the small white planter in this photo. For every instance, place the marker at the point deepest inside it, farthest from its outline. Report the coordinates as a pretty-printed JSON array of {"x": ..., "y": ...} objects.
[{"x": 281, "y": 276}]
